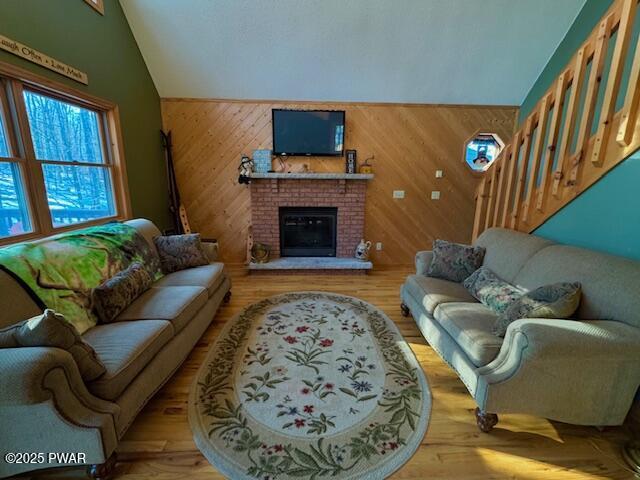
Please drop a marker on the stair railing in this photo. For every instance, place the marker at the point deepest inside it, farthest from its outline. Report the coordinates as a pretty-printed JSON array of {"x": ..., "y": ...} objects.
[{"x": 559, "y": 152}]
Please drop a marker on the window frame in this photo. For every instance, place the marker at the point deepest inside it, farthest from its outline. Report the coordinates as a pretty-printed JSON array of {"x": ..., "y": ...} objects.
[
  {"x": 97, "y": 5},
  {"x": 14, "y": 114},
  {"x": 477, "y": 133}
]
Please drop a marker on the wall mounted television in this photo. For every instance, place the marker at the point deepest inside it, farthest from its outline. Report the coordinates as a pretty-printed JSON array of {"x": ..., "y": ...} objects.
[{"x": 308, "y": 132}]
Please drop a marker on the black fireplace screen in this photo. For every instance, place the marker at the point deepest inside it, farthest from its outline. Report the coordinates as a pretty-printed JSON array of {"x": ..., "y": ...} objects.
[{"x": 308, "y": 231}]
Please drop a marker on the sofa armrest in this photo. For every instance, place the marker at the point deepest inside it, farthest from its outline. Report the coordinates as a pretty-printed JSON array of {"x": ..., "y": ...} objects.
[
  {"x": 423, "y": 259},
  {"x": 545, "y": 339},
  {"x": 567, "y": 368},
  {"x": 210, "y": 247},
  {"x": 41, "y": 393},
  {"x": 28, "y": 374}
]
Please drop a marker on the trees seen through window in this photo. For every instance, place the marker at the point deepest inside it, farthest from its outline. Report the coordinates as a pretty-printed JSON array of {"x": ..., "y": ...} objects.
[{"x": 57, "y": 165}]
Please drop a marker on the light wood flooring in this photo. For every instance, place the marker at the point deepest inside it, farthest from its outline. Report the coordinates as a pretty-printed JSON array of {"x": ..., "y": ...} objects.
[{"x": 159, "y": 444}]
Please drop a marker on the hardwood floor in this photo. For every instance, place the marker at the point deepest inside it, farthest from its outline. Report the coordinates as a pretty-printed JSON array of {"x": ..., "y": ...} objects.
[{"x": 159, "y": 444}]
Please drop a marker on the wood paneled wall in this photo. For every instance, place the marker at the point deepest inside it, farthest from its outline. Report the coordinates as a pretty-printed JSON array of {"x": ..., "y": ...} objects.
[{"x": 409, "y": 142}]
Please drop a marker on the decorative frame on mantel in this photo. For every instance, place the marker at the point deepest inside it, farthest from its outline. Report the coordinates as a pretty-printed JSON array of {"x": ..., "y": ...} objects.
[{"x": 97, "y": 5}]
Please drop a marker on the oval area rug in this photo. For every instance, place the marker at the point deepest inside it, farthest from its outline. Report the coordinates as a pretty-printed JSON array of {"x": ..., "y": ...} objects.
[{"x": 309, "y": 385}]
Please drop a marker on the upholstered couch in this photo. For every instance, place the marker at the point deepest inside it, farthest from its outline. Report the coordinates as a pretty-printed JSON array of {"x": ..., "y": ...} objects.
[
  {"x": 583, "y": 371},
  {"x": 44, "y": 404}
]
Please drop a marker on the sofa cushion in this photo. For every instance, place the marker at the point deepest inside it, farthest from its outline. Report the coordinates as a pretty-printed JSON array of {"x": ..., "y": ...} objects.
[
  {"x": 117, "y": 293},
  {"x": 609, "y": 283},
  {"x": 470, "y": 325},
  {"x": 207, "y": 276},
  {"x": 453, "y": 261},
  {"x": 177, "y": 305},
  {"x": 125, "y": 348},
  {"x": 557, "y": 301},
  {"x": 507, "y": 251},
  {"x": 431, "y": 292},
  {"x": 491, "y": 290},
  {"x": 50, "y": 329},
  {"x": 178, "y": 252}
]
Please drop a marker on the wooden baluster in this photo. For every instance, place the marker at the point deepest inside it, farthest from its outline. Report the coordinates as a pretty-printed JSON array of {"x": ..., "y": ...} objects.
[
  {"x": 480, "y": 201},
  {"x": 631, "y": 102},
  {"x": 513, "y": 163},
  {"x": 502, "y": 169},
  {"x": 554, "y": 128},
  {"x": 569, "y": 121},
  {"x": 613, "y": 84},
  {"x": 595, "y": 77},
  {"x": 522, "y": 171},
  {"x": 543, "y": 113},
  {"x": 492, "y": 198}
]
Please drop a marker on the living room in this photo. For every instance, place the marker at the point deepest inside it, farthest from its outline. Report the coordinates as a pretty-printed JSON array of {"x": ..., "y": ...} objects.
[{"x": 298, "y": 239}]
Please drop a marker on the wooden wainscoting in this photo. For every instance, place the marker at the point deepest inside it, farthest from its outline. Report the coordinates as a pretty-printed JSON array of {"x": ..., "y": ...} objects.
[{"x": 409, "y": 143}]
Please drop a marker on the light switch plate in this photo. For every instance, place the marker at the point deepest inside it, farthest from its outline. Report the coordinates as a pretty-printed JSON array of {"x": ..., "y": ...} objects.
[
  {"x": 398, "y": 194},
  {"x": 379, "y": 246},
  {"x": 439, "y": 174},
  {"x": 435, "y": 195}
]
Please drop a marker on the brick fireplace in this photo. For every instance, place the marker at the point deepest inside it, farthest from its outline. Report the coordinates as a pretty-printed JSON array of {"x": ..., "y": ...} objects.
[{"x": 342, "y": 191}]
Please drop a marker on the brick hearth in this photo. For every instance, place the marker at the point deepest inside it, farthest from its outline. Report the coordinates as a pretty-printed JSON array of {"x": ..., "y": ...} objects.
[{"x": 268, "y": 195}]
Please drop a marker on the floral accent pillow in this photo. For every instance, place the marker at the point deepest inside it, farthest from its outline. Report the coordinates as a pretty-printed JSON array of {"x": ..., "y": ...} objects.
[
  {"x": 559, "y": 300},
  {"x": 52, "y": 330},
  {"x": 453, "y": 261},
  {"x": 486, "y": 287},
  {"x": 117, "y": 293},
  {"x": 179, "y": 252}
]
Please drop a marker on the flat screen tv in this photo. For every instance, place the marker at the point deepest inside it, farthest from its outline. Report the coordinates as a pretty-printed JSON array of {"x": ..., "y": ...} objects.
[{"x": 308, "y": 132}]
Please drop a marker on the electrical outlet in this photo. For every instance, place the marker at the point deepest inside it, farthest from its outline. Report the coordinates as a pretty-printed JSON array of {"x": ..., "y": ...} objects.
[
  {"x": 435, "y": 195},
  {"x": 398, "y": 194},
  {"x": 439, "y": 174},
  {"x": 379, "y": 246}
]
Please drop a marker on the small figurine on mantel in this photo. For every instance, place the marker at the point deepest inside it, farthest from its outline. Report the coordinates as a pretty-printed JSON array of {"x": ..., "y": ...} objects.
[
  {"x": 366, "y": 166},
  {"x": 362, "y": 250},
  {"x": 245, "y": 169}
]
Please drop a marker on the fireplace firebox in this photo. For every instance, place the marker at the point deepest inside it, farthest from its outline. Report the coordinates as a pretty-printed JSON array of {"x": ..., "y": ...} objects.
[{"x": 308, "y": 231}]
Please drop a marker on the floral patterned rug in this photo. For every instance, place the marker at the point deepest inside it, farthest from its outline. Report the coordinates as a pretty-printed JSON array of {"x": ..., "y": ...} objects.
[{"x": 309, "y": 385}]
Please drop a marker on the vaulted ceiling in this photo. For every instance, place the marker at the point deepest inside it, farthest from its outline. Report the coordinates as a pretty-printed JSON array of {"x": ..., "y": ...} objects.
[{"x": 422, "y": 51}]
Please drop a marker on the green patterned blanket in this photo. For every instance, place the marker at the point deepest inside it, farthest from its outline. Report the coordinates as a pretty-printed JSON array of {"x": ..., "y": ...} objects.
[{"x": 62, "y": 270}]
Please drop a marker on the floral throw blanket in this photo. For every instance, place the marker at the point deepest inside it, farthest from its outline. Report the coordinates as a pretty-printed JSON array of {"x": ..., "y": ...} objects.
[{"x": 61, "y": 271}]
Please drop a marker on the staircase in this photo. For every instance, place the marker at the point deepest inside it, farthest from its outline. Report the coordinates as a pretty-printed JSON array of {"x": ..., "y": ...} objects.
[{"x": 582, "y": 127}]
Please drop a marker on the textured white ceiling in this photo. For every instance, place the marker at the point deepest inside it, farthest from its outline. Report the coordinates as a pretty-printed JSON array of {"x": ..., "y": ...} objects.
[{"x": 423, "y": 51}]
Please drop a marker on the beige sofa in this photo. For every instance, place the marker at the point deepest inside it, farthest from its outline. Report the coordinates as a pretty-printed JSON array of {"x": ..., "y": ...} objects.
[
  {"x": 583, "y": 371},
  {"x": 44, "y": 404}
]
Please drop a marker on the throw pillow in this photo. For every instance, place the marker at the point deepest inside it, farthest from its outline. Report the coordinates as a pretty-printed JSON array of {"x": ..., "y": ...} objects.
[
  {"x": 453, "y": 261},
  {"x": 179, "y": 252},
  {"x": 486, "y": 287},
  {"x": 52, "y": 330},
  {"x": 559, "y": 300},
  {"x": 114, "y": 295}
]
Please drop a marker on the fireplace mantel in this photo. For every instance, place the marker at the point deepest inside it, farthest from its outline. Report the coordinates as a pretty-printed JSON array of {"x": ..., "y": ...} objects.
[
  {"x": 345, "y": 192},
  {"x": 312, "y": 176}
]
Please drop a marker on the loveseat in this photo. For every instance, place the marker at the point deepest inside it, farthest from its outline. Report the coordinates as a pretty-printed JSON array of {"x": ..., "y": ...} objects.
[
  {"x": 45, "y": 406},
  {"x": 584, "y": 370}
]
